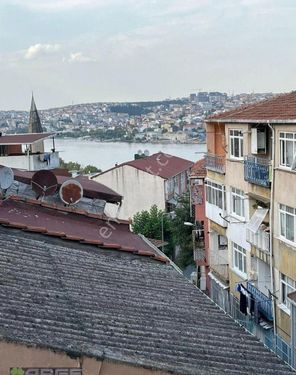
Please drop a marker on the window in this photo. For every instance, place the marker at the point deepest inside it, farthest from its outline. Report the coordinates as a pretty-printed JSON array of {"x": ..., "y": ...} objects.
[
  {"x": 239, "y": 258},
  {"x": 287, "y": 286},
  {"x": 222, "y": 242},
  {"x": 236, "y": 144},
  {"x": 237, "y": 202},
  {"x": 287, "y": 148},
  {"x": 287, "y": 222},
  {"x": 215, "y": 194}
]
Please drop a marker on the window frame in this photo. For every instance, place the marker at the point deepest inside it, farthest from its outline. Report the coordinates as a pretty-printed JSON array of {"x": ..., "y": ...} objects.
[
  {"x": 287, "y": 286},
  {"x": 283, "y": 140},
  {"x": 284, "y": 212},
  {"x": 237, "y": 197},
  {"x": 213, "y": 191},
  {"x": 239, "y": 254},
  {"x": 233, "y": 137}
]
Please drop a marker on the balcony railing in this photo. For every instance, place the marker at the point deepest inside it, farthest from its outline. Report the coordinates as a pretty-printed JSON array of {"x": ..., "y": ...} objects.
[
  {"x": 260, "y": 239},
  {"x": 215, "y": 163},
  {"x": 264, "y": 303},
  {"x": 257, "y": 171}
]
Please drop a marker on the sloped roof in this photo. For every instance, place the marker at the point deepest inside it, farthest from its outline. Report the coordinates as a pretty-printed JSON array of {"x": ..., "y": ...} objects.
[
  {"x": 199, "y": 168},
  {"x": 280, "y": 108},
  {"x": 23, "y": 139},
  {"x": 159, "y": 164},
  {"x": 91, "y": 189},
  {"x": 36, "y": 216},
  {"x": 120, "y": 307}
]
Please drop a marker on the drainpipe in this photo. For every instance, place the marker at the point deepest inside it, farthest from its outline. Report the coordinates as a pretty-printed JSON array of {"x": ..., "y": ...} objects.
[{"x": 271, "y": 227}]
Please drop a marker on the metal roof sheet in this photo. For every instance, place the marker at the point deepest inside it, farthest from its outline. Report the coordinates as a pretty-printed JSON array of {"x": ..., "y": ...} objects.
[{"x": 23, "y": 139}]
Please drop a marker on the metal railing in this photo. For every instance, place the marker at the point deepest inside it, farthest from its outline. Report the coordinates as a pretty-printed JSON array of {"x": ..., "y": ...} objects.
[
  {"x": 257, "y": 171},
  {"x": 215, "y": 163},
  {"x": 264, "y": 303},
  {"x": 260, "y": 239},
  {"x": 231, "y": 305}
]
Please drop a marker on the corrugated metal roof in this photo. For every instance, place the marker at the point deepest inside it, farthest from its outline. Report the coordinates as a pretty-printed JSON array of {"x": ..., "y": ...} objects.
[
  {"x": 23, "y": 139},
  {"x": 91, "y": 189},
  {"x": 36, "y": 216},
  {"x": 159, "y": 164}
]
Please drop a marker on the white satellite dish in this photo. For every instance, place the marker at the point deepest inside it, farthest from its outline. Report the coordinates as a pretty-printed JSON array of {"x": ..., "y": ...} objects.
[
  {"x": 6, "y": 178},
  {"x": 71, "y": 192},
  {"x": 146, "y": 152},
  {"x": 140, "y": 152}
]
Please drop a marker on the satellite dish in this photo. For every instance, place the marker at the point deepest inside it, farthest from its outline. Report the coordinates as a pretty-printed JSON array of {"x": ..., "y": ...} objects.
[
  {"x": 146, "y": 153},
  {"x": 44, "y": 183},
  {"x": 6, "y": 178},
  {"x": 140, "y": 152},
  {"x": 71, "y": 192}
]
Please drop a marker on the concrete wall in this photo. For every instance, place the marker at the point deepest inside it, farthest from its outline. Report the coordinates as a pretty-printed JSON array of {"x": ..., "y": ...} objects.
[
  {"x": 140, "y": 190},
  {"x": 284, "y": 252},
  {"x": 216, "y": 139},
  {"x": 15, "y": 355}
]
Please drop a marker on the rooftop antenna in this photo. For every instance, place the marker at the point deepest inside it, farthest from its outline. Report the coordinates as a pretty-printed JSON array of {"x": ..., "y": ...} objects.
[
  {"x": 71, "y": 192},
  {"x": 44, "y": 183},
  {"x": 6, "y": 179}
]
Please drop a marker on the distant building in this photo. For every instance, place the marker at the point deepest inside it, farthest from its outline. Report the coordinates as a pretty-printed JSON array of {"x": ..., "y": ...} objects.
[
  {"x": 157, "y": 179},
  {"x": 192, "y": 97}
]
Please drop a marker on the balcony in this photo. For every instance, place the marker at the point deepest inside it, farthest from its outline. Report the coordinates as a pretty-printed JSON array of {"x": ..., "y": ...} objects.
[
  {"x": 32, "y": 162},
  {"x": 257, "y": 171},
  {"x": 259, "y": 239},
  {"x": 215, "y": 163},
  {"x": 264, "y": 303}
]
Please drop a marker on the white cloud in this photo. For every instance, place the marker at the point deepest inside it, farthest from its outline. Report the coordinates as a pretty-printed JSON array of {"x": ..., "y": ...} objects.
[
  {"x": 38, "y": 50},
  {"x": 79, "y": 57}
]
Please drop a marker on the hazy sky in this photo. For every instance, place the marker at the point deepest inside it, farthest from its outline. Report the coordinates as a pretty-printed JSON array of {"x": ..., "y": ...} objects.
[{"x": 117, "y": 50}]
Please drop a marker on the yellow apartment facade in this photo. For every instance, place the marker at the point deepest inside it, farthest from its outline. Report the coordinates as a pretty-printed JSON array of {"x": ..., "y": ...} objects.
[{"x": 251, "y": 208}]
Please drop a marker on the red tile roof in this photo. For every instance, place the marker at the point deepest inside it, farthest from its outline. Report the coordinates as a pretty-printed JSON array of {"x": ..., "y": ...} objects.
[
  {"x": 25, "y": 139},
  {"x": 280, "y": 108},
  {"x": 33, "y": 216},
  {"x": 159, "y": 164},
  {"x": 91, "y": 189},
  {"x": 199, "y": 169}
]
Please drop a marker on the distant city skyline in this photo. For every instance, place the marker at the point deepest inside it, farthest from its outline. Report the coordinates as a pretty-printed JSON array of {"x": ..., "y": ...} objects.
[{"x": 113, "y": 50}]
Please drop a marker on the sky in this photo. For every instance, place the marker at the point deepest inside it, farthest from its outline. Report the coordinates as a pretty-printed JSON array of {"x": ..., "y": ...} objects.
[{"x": 79, "y": 51}]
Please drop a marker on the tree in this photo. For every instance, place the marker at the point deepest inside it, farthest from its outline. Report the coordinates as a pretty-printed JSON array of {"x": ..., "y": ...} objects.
[
  {"x": 70, "y": 165},
  {"x": 149, "y": 224},
  {"x": 91, "y": 169},
  {"x": 74, "y": 166},
  {"x": 178, "y": 235},
  {"x": 182, "y": 234}
]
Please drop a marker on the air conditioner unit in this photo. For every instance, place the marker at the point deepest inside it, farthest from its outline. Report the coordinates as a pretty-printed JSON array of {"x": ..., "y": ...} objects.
[{"x": 252, "y": 275}]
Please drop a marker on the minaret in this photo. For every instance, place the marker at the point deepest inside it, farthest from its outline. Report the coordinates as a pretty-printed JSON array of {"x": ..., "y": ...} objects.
[
  {"x": 35, "y": 127},
  {"x": 34, "y": 122}
]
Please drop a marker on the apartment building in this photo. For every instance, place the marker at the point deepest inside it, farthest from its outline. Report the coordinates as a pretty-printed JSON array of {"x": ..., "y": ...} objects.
[
  {"x": 156, "y": 179},
  {"x": 251, "y": 208}
]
